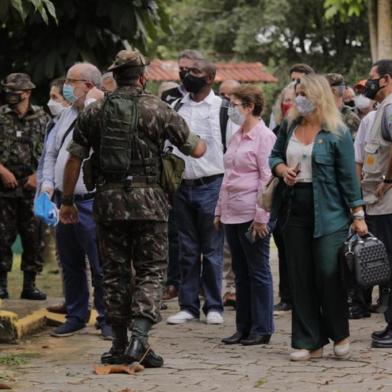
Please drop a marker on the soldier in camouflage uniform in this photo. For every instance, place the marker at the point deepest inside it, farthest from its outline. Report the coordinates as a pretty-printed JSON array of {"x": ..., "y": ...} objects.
[
  {"x": 127, "y": 131},
  {"x": 22, "y": 128},
  {"x": 350, "y": 118}
]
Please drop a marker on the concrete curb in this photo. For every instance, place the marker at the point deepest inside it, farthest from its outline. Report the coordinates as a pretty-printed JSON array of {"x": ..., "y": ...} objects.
[{"x": 13, "y": 328}]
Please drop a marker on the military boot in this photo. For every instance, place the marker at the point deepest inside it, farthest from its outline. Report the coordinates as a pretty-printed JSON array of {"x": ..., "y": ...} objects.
[
  {"x": 29, "y": 289},
  {"x": 115, "y": 356},
  {"x": 3, "y": 285},
  {"x": 139, "y": 350}
]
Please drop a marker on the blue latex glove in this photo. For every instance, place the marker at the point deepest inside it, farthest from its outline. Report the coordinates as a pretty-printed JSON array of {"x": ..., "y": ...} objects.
[{"x": 46, "y": 210}]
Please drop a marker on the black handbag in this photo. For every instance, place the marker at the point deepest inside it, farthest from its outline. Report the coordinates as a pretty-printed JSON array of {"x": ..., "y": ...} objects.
[{"x": 366, "y": 261}]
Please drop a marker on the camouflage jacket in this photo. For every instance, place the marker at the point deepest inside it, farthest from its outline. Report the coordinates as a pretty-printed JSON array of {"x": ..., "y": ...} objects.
[
  {"x": 157, "y": 122},
  {"x": 21, "y": 143},
  {"x": 350, "y": 119}
]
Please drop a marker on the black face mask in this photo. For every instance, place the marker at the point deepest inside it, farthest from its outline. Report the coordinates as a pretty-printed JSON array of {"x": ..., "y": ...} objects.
[
  {"x": 372, "y": 87},
  {"x": 182, "y": 76},
  {"x": 13, "y": 98},
  {"x": 193, "y": 84},
  {"x": 350, "y": 103}
]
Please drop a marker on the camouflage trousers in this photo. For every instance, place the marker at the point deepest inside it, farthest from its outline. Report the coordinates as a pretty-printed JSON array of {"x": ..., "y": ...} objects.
[
  {"x": 16, "y": 217},
  {"x": 134, "y": 261}
]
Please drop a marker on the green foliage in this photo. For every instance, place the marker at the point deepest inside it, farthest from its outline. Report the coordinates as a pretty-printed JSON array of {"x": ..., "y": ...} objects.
[
  {"x": 276, "y": 32},
  {"x": 45, "y": 37},
  {"x": 345, "y": 9},
  {"x": 20, "y": 9}
]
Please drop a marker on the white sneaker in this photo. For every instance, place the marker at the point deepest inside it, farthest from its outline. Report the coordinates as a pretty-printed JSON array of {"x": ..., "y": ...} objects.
[
  {"x": 342, "y": 350},
  {"x": 180, "y": 317},
  {"x": 214, "y": 317}
]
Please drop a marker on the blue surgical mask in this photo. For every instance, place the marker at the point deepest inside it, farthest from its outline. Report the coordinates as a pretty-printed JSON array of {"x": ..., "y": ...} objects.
[
  {"x": 68, "y": 93},
  {"x": 304, "y": 105},
  {"x": 235, "y": 115}
]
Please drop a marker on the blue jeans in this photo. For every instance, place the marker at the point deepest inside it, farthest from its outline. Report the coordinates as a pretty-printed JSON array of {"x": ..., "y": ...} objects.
[
  {"x": 74, "y": 243},
  {"x": 173, "y": 267},
  {"x": 201, "y": 247},
  {"x": 253, "y": 281}
]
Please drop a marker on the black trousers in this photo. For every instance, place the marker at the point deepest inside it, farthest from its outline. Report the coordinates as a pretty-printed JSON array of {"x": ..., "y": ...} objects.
[
  {"x": 17, "y": 217},
  {"x": 284, "y": 286},
  {"x": 381, "y": 227},
  {"x": 319, "y": 301}
]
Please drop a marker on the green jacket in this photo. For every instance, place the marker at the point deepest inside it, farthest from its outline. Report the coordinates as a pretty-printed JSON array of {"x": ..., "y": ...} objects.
[{"x": 335, "y": 184}]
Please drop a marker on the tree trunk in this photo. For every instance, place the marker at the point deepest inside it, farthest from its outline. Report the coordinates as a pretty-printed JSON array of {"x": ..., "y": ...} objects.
[
  {"x": 372, "y": 19},
  {"x": 384, "y": 30}
]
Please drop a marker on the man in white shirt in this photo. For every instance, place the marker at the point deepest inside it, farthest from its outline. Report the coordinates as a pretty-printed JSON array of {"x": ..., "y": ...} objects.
[
  {"x": 201, "y": 246},
  {"x": 76, "y": 241}
]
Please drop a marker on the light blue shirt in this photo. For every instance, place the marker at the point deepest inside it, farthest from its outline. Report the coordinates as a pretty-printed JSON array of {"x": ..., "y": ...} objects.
[{"x": 56, "y": 155}]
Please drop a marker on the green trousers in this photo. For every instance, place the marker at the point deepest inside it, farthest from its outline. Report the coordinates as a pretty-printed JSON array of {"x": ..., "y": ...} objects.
[{"x": 320, "y": 310}]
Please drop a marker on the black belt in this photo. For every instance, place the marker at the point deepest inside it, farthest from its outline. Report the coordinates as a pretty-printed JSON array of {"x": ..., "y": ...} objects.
[
  {"x": 84, "y": 196},
  {"x": 201, "y": 181}
]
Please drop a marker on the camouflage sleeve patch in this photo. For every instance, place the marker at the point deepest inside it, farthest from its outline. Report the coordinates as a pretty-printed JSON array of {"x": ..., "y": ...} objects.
[
  {"x": 386, "y": 123},
  {"x": 190, "y": 144},
  {"x": 77, "y": 150}
]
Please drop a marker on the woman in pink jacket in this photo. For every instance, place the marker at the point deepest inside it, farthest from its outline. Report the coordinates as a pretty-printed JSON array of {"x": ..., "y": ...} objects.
[{"x": 245, "y": 223}]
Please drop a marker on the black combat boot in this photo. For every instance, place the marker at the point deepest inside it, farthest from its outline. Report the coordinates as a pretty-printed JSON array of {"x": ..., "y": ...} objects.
[
  {"x": 139, "y": 350},
  {"x": 29, "y": 289},
  {"x": 3, "y": 285},
  {"x": 115, "y": 356}
]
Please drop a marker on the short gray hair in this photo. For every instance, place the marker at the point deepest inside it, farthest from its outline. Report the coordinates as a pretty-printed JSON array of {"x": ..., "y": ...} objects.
[
  {"x": 90, "y": 73},
  {"x": 190, "y": 54}
]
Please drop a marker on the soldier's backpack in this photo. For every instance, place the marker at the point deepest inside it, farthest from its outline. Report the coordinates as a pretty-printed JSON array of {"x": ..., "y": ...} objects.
[{"x": 123, "y": 152}]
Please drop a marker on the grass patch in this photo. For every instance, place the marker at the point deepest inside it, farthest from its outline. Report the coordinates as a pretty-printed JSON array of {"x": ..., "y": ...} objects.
[
  {"x": 260, "y": 383},
  {"x": 13, "y": 359},
  {"x": 6, "y": 377},
  {"x": 47, "y": 281}
]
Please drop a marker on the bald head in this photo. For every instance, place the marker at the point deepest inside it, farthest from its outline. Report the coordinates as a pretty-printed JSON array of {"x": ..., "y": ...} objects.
[
  {"x": 82, "y": 77},
  {"x": 86, "y": 72},
  {"x": 206, "y": 67},
  {"x": 227, "y": 86}
]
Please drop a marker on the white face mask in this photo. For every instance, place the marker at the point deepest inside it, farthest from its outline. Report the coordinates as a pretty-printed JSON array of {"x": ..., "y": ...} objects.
[
  {"x": 235, "y": 115},
  {"x": 362, "y": 102},
  {"x": 55, "y": 108},
  {"x": 304, "y": 105}
]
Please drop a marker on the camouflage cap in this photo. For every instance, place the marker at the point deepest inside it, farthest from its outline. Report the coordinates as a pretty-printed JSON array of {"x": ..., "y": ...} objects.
[
  {"x": 128, "y": 58},
  {"x": 18, "y": 81},
  {"x": 335, "y": 79}
]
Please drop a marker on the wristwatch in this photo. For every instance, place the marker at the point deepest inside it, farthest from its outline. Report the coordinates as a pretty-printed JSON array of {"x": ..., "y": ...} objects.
[
  {"x": 359, "y": 215},
  {"x": 67, "y": 200},
  {"x": 387, "y": 181}
]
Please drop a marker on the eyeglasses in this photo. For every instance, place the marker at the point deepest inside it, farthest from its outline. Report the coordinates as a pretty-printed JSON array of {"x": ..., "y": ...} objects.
[
  {"x": 193, "y": 70},
  {"x": 69, "y": 80}
]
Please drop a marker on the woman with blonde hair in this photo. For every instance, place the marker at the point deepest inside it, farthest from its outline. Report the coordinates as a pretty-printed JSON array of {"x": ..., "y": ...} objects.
[
  {"x": 314, "y": 156},
  {"x": 282, "y": 105}
]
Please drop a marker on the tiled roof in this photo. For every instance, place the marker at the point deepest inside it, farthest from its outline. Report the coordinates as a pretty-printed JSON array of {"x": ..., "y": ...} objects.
[{"x": 166, "y": 70}]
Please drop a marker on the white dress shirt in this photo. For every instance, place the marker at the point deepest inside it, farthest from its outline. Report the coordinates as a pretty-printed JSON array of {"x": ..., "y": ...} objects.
[
  {"x": 363, "y": 135},
  {"x": 57, "y": 155},
  {"x": 203, "y": 119}
]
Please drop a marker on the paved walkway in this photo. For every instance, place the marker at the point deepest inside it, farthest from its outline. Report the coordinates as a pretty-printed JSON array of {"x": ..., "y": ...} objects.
[{"x": 195, "y": 360}]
